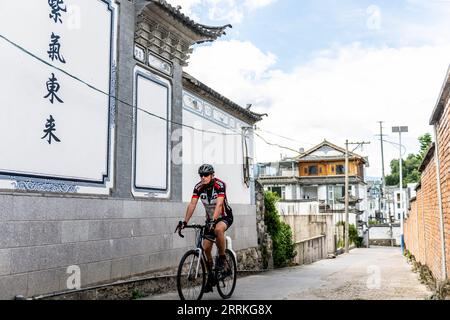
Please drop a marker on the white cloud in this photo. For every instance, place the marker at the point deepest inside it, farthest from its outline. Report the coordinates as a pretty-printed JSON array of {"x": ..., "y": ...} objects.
[
  {"x": 338, "y": 95},
  {"x": 255, "y": 4},
  {"x": 231, "y": 11}
]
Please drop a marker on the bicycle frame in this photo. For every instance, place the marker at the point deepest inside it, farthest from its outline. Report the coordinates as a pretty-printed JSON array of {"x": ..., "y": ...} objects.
[{"x": 200, "y": 252}]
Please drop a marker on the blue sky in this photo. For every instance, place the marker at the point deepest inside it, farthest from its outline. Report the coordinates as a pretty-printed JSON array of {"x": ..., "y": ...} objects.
[
  {"x": 328, "y": 69},
  {"x": 295, "y": 30}
]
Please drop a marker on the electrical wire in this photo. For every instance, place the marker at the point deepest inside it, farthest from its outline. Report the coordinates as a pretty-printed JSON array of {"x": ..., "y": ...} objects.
[
  {"x": 110, "y": 95},
  {"x": 150, "y": 113}
]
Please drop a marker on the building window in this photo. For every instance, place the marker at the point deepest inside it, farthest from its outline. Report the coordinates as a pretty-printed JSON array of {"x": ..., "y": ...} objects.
[
  {"x": 332, "y": 168},
  {"x": 320, "y": 169},
  {"x": 398, "y": 205},
  {"x": 398, "y": 196},
  {"x": 340, "y": 169},
  {"x": 312, "y": 170}
]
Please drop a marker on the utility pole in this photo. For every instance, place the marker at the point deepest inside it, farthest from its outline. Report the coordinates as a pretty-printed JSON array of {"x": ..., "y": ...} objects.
[
  {"x": 383, "y": 182},
  {"x": 346, "y": 198},
  {"x": 346, "y": 190},
  {"x": 401, "y": 129}
]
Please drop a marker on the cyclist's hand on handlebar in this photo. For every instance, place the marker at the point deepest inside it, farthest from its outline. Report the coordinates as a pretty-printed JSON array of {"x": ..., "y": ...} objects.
[{"x": 180, "y": 226}]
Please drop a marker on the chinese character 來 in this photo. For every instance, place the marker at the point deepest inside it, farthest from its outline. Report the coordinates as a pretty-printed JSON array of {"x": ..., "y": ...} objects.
[{"x": 50, "y": 127}]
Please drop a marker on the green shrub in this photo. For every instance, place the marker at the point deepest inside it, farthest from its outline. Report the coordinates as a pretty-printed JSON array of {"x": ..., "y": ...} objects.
[
  {"x": 352, "y": 235},
  {"x": 137, "y": 294},
  {"x": 280, "y": 232}
]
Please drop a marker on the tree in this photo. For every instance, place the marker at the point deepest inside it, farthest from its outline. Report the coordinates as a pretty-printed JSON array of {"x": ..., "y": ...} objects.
[
  {"x": 425, "y": 142},
  {"x": 410, "y": 166}
]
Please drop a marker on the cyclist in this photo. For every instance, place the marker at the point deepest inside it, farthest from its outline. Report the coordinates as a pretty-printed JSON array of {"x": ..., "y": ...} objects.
[{"x": 212, "y": 192}]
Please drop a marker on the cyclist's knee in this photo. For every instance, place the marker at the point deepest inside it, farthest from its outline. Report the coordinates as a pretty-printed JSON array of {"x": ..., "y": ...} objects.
[{"x": 219, "y": 231}]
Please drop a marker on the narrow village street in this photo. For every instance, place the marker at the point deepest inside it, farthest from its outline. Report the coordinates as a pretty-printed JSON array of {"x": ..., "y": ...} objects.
[
  {"x": 139, "y": 137},
  {"x": 377, "y": 273}
]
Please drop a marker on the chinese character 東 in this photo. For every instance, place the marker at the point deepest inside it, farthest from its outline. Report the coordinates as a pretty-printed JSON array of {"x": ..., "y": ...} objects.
[
  {"x": 56, "y": 9},
  {"x": 54, "y": 46},
  {"x": 50, "y": 127},
  {"x": 52, "y": 88}
]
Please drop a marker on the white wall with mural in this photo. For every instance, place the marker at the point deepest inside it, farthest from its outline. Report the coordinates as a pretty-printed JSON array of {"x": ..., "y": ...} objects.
[
  {"x": 224, "y": 152},
  {"x": 56, "y": 113}
]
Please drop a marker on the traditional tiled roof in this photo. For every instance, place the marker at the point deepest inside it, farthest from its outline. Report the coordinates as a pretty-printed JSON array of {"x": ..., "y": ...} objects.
[
  {"x": 305, "y": 156},
  {"x": 442, "y": 99},
  {"x": 319, "y": 180},
  {"x": 250, "y": 115},
  {"x": 278, "y": 180},
  {"x": 427, "y": 157},
  {"x": 208, "y": 32}
]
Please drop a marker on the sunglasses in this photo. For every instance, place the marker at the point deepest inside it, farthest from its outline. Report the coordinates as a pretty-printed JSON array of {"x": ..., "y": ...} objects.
[{"x": 204, "y": 175}]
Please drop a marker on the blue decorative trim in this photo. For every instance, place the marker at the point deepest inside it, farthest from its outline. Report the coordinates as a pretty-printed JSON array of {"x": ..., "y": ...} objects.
[
  {"x": 112, "y": 102},
  {"x": 44, "y": 186},
  {"x": 202, "y": 113}
]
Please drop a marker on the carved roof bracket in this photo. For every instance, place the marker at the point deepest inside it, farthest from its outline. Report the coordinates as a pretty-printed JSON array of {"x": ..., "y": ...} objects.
[{"x": 163, "y": 29}]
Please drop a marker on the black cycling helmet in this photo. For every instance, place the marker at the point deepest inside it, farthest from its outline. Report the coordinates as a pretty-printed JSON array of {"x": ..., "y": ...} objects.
[{"x": 205, "y": 169}]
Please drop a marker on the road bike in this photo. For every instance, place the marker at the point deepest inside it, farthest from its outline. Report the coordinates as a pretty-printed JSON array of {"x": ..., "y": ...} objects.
[{"x": 193, "y": 269}]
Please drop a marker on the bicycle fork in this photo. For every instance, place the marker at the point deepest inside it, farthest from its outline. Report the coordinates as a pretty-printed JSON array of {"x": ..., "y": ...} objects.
[{"x": 200, "y": 254}]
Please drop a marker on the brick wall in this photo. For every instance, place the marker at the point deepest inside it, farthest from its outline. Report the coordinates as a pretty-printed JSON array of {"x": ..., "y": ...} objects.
[
  {"x": 422, "y": 231},
  {"x": 422, "y": 228},
  {"x": 443, "y": 138}
]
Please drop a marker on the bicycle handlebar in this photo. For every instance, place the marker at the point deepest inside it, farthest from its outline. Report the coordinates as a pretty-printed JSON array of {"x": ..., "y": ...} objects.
[{"x": 192, "y": 226}]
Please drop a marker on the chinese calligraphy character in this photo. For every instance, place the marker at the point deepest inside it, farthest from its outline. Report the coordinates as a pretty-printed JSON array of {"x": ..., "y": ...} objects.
[
  {"x": 56, "y": 8},
  {"x": 50, "y": 127},
  {"x": 52, "y": 88},
  {"x": 54, "y": 46}
]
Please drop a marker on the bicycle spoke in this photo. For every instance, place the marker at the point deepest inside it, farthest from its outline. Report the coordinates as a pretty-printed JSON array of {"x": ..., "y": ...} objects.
[{"x": 190, "y": 277}]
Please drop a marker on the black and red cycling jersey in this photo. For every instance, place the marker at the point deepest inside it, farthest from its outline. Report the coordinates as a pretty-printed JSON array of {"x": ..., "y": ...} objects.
[{"x": 208, "y": 194}]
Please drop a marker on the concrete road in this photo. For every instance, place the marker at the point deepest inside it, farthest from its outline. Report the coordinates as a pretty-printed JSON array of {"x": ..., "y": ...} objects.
[{"x": 375, "y": 273}]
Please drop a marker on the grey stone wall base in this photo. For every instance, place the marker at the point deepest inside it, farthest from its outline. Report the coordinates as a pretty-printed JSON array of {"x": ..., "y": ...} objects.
[{"x": 157, "y": 282}]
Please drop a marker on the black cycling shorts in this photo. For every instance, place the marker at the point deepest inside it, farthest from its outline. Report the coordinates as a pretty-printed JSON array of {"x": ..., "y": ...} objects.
[{"x": 228, "y": 221}]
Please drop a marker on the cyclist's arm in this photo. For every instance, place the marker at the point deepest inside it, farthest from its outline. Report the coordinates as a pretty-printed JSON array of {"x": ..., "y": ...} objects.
[
  {"x": 219, "y": 207},
  {"x": 190, "y": 209}
]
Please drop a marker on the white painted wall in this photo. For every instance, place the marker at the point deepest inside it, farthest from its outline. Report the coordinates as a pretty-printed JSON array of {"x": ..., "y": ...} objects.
[
  {"x": 297, "y": 208},
  {"x": 151, "y": 140},
  {"x": 82, "y": 124},
  {"x": 322, "y": 192},
  {"x": 225, "y": 153},
  {"x": 384, "y": 232},
  {"x": 403, "y": 207}
]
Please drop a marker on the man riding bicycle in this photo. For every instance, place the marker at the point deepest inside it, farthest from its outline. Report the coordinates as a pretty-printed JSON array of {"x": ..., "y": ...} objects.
[{"x": 212, "y": 192}]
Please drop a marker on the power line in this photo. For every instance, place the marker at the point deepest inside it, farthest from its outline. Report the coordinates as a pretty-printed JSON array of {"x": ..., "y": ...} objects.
[
  {"x": 287, "y": 138},
  {"x": 147, "y": 112},
  {"x": 110, "y": 95}
]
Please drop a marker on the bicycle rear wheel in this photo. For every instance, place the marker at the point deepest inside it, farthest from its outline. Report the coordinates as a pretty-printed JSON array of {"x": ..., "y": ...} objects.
[
  {"x": 227, "y": 283},
  {"x": 191, "y": 276}
]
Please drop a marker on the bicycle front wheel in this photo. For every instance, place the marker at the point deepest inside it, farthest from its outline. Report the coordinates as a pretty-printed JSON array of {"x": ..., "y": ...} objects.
[
  {"x": 227, "y": 283},
  {"x": 191, "y": 276}
]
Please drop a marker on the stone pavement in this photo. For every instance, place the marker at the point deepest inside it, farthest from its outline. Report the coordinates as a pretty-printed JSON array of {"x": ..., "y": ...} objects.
[{"x": 375, "y": 273}]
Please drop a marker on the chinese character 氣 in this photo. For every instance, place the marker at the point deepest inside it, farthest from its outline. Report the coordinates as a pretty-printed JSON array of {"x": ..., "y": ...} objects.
[
  {"x": 52, "y": 88},
  {"x": 54, "y": 46},
  {"x": 50, "y": 127},
  {"x": 56, "y": 9}
]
